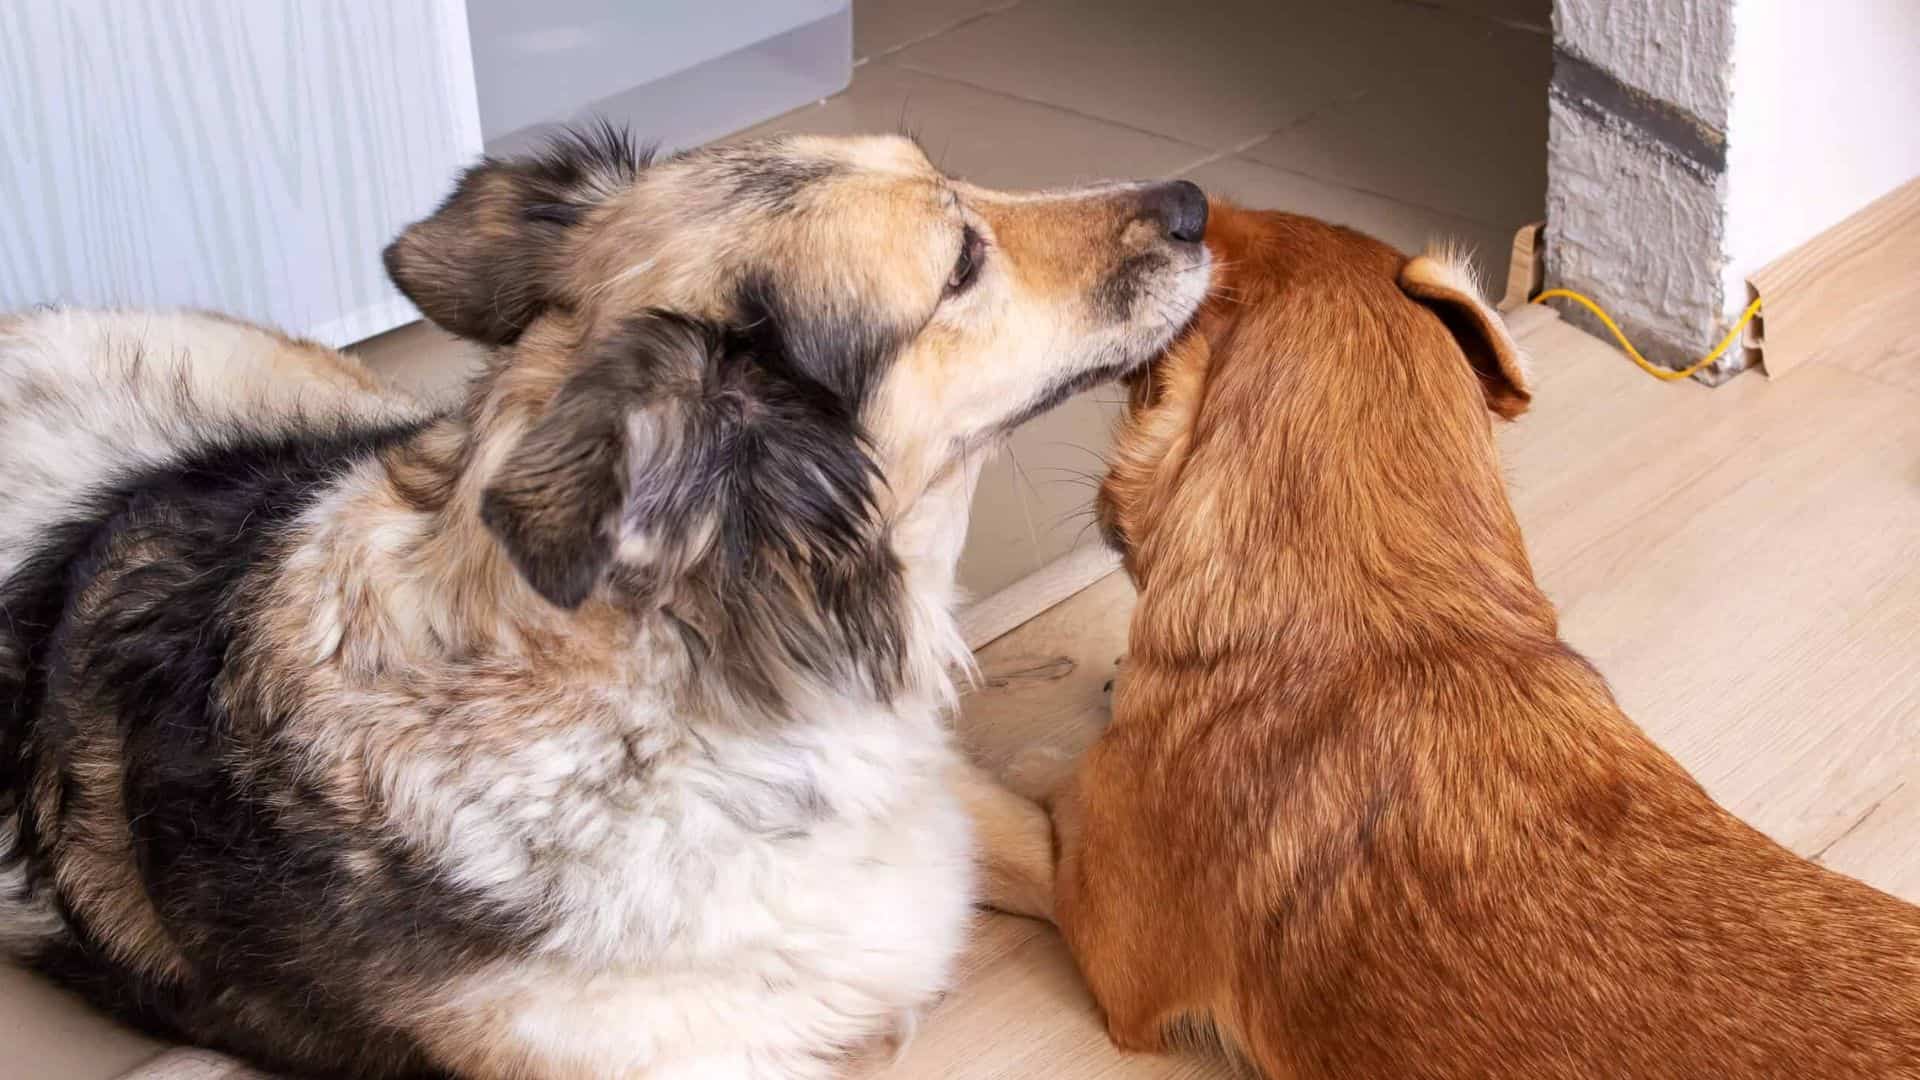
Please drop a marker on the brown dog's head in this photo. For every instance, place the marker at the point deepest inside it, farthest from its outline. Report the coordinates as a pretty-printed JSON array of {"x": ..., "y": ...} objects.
[
  {"x": 1318, "y": 343},
  {"x": 721, "y": 351}
]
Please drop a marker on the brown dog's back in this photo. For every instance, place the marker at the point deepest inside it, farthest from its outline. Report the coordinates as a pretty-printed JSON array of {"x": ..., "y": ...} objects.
[{"x": 1359, "y": 805}]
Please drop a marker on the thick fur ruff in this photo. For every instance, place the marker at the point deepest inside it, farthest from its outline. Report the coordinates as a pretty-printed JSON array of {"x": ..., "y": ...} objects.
[{"x": 593, "y": 727}]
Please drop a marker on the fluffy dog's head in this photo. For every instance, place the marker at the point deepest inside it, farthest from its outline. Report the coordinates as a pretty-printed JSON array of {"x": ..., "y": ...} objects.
[
  {"x": 744, "y": 363},
  {"x": 1328, "y": 345}
]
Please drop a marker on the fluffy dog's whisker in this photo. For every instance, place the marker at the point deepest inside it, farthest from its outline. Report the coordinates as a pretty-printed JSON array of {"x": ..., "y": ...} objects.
[
  {"x": 1099, "y": 458},
  {"x": 1080, "y": 534},
  {"x": 1073, "y": 476},
  {"x": 1026, "y": 507}
]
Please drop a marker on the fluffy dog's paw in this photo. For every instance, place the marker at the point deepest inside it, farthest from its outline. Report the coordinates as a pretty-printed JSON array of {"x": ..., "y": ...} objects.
[{"x": 1038, "y": 771}]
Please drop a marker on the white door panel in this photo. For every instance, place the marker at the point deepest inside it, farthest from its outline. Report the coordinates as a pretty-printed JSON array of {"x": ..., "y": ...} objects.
[{"x": 252, "y": 156}]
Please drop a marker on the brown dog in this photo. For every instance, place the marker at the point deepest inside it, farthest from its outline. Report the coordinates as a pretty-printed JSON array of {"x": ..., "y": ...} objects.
[{"x": 1360, "y": 807}]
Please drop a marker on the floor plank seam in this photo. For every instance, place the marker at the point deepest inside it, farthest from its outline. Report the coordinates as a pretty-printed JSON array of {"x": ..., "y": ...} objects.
[
  {"x": 1857, "y": 822},
  {"x": 1874, "y": 376}
]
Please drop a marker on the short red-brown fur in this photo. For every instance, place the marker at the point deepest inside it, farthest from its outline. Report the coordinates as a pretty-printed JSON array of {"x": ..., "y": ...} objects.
[{"x": 1359, "y": 805}]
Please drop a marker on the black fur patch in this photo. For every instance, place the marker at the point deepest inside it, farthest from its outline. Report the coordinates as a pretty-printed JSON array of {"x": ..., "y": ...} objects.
[
  {"x": 837, "y": 346},
  {"x": 578, "y": 167},
  {"x": 776, "y": 183},
  {"x": 555, "y": 505},
  {"x": 764, "y": 174},
  {"x": 1123, "y": 290},
  {"x": 289, "y": 944},
  {"x": 699, "y": 433},
  {"x": 484, "y": 264}
]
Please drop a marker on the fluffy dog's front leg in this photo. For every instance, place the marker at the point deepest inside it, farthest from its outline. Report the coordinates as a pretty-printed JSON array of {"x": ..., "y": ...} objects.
[{"x": 1013, "y": 839}]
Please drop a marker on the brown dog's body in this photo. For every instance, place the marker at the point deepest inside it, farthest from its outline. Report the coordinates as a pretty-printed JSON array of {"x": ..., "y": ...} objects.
[{"x": 1359, "y": 806}]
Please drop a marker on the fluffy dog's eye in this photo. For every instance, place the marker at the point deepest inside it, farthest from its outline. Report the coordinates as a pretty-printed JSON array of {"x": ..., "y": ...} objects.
[{"x": 972, "y": 251}]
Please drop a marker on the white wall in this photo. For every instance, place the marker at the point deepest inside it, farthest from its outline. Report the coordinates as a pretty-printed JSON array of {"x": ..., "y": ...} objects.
[
  {"x": 1823, "y": 120},
  {"x": 251, "y": 156}
]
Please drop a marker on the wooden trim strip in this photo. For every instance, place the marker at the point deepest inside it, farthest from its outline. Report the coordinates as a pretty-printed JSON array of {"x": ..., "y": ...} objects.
[
  {"x": 992, "y": 616},
  {"x": 1526, "y": 273},
  {"x": 1849, "y": 296}
]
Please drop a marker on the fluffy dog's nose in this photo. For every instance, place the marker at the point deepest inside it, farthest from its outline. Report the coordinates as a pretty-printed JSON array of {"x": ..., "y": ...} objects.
[{"x": 1181, "y": 209}]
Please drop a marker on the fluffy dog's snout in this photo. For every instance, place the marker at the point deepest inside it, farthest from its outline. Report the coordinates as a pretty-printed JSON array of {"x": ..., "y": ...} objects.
[{"x": 1180, "y": 208}]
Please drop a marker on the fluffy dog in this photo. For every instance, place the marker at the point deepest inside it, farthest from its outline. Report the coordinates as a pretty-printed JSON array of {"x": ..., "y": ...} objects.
[
  {"x": 592, "y": 728},
  {"x": 1360, "y": 808}
]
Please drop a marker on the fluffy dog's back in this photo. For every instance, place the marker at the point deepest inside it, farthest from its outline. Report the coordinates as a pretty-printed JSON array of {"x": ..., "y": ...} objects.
[
  {"x": 89, "y": 398},
  {"x": 87, "y": 395}
]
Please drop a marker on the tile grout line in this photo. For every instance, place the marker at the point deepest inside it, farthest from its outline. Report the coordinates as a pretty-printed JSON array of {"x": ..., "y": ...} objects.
[
  {"x": 965, "y": 20},
  {"x": 1511, "y": 24},
  {"x": 1233, "y": 151},
  {"x": 1453, "y": 215},
  {"x": 1067, "y": 110},
  {"x": 1304, "y": 118},
  {"x": 1211, "y": 156},
  {"x": 1245, "y": 145}
]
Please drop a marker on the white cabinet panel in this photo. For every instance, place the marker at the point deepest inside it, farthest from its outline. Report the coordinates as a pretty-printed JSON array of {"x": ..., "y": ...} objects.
[
  {"x": 539, "y": 62},
  {"x": 676, "y": 72},
  {"x": 252, "y": 156}
]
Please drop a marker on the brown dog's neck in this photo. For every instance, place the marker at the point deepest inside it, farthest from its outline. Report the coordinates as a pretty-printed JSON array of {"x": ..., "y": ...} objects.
[{"x": 1348, "y": 507}]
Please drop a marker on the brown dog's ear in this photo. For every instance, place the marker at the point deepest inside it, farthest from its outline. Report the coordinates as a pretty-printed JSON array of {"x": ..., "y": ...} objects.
[
  {"x": 488, "y": 261},
  {"x": 1445, "y": 285}
]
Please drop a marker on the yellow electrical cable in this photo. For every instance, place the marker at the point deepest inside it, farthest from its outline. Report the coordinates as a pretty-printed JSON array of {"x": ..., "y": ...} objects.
[{"x": 1666, "y": 374}]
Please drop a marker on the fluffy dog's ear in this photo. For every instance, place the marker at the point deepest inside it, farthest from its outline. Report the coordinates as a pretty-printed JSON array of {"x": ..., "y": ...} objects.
[
  {"x": 689, "y": 442},
  {"x": 1445, "y": 285},
  {"x": 489, "y": 259},
  {"x": 557, "y": 502}
]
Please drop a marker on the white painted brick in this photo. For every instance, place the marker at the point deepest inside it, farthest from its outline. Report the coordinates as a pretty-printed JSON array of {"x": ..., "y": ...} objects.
[
  {"x": 1638, "y": 232},
  {"x": 1674, "y": 50}
]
